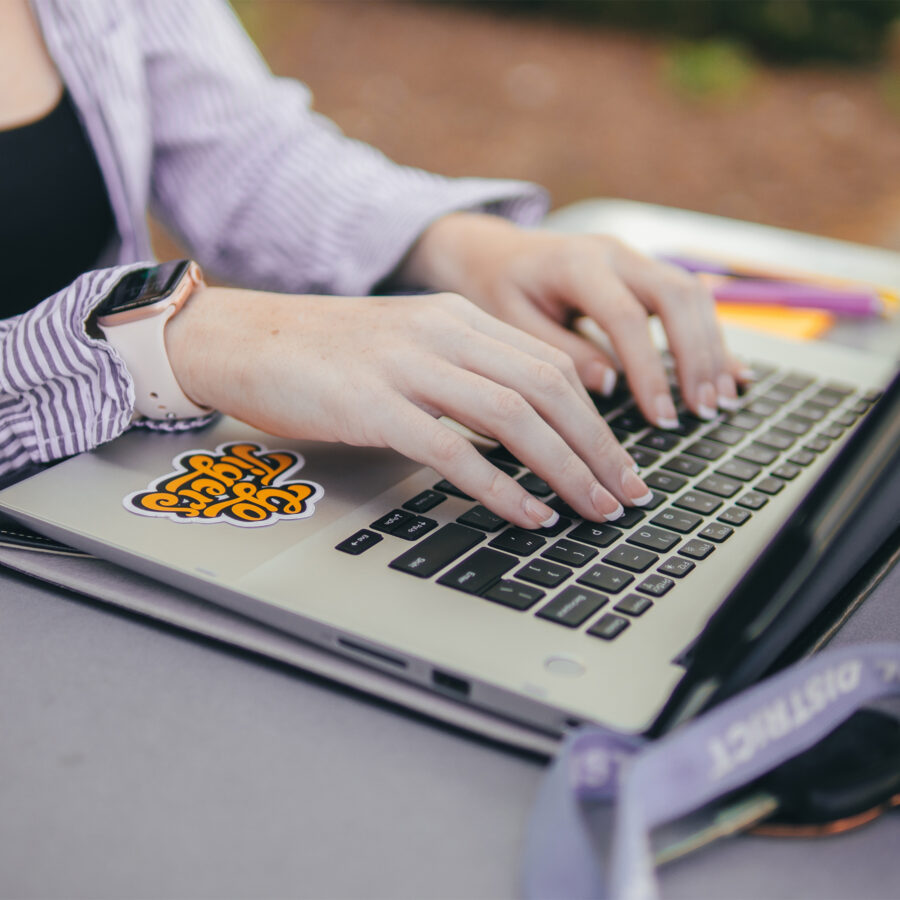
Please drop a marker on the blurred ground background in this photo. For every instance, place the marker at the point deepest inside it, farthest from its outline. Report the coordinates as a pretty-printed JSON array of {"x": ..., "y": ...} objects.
[{"x": 593, "y": 110}]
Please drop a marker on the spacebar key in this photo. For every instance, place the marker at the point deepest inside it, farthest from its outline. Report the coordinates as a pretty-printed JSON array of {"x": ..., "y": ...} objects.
[{"x": 437, "y": 550}]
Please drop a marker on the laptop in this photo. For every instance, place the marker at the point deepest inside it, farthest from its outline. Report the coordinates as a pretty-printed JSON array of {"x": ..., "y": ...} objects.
[{"x": 758, "y": 518}]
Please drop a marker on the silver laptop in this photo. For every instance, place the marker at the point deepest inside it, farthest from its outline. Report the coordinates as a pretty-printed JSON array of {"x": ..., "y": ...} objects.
[{"x": 379, "y": 559}]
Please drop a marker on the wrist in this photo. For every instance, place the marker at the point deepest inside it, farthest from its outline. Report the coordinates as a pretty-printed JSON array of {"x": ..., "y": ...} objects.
[{"x": 455, "y": 251}]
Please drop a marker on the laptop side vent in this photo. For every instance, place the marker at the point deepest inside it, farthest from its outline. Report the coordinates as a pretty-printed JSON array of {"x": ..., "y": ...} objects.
[{"x": 372, "y": 653}]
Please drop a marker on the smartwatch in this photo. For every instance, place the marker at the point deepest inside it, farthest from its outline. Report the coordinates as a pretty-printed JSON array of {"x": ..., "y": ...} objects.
[{"x": 133, "y": 319}]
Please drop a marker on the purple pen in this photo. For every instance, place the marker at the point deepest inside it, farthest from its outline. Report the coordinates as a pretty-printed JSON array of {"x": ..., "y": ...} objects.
[{"x": 799, "y": 296}]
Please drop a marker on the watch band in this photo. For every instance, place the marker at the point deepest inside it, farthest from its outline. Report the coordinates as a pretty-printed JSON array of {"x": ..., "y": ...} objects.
[
  {"x": 157, "y": 394},
  {"x": 138, "y": 335}
]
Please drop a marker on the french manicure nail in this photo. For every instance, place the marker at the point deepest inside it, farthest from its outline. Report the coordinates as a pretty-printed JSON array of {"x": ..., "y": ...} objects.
[
  {"x": 728, "y": 396},
  {"x": 634, "y": 488},
  {"x": 706, "y": 397},
  {"x": 539, "y": 513},
  {"x": 605, "y": 504},
  {"x": 610, "y": 378},
  {"x": 666, "y": 416}
]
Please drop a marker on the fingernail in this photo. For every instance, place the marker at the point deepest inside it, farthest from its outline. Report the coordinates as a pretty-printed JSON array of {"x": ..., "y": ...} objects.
[
  {"x": 666, "y": 416},
  {"x": 540, "y": 514},
  {"x": 605, "y": 504},
  {"x": 706, "y": 397},
  {"x": 728, "y": 396},
  {"x": 634, "y": 488},
  {"x": 604, "y": 376}
]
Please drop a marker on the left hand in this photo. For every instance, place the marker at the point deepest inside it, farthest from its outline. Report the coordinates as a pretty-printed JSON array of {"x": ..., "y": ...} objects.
[{"x": 540, "y": 282}]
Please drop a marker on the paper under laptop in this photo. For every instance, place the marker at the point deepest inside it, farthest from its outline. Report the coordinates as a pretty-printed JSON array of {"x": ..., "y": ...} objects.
[{"x": 284, "y": 570}]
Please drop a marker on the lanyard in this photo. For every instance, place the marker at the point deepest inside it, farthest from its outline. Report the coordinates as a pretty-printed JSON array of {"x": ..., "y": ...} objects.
[{"x": 652, "y": 783}]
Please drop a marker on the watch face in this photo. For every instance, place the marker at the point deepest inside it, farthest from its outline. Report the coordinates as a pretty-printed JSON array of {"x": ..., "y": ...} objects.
[{"x": 144, "y": 286}]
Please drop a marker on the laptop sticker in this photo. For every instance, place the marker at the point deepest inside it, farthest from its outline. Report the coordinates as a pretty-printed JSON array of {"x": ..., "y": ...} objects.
[{"x": 240, "y": 484}]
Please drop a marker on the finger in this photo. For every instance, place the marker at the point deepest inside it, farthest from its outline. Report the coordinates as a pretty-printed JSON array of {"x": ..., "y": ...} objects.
[
  {"x": 416, "y": 434},
  {"x": 531, "y": 344},
  {"x": 687, "y": 310},
  {"x": 549, "y": 395},
  {"x": 505, "y": 414},
  {"x": 603, "y": 297},
  {"x": 595, "y": 369}
]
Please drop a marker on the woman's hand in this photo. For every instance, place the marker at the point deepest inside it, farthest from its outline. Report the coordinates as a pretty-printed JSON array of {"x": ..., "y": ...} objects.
[
  {"x": 379, "y": 371},
  {"x": 540, "y": 282}
]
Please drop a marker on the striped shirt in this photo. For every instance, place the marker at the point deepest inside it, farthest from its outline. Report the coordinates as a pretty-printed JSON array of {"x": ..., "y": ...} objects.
[{"x": 186, "y": 120}]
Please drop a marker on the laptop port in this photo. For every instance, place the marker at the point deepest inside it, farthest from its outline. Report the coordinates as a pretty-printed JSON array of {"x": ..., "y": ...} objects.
[{"x": 451, "y": 683}]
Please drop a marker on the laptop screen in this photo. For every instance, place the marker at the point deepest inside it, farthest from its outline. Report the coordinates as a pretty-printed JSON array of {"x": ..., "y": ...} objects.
[{"x": 852, "y": 510}]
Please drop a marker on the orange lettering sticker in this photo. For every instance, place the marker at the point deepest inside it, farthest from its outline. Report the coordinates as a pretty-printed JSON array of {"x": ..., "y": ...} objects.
[{"x": 241, "y": 484}]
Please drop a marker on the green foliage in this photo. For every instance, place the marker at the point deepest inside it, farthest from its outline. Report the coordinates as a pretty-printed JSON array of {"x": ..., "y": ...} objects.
[
  {"x": 782, "y": 30},
  {"x": 708, "y": 70}
]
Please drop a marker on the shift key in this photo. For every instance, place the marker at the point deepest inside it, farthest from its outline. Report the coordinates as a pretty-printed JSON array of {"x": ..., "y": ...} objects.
[{"x": 437, "y": 550}]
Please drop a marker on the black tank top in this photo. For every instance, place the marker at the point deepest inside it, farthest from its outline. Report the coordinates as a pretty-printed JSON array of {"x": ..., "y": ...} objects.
[{"x": 55, "y": 216}]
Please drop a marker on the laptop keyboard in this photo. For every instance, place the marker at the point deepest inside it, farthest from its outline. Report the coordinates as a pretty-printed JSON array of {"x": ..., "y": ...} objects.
[{"x": 708, "y": 479}]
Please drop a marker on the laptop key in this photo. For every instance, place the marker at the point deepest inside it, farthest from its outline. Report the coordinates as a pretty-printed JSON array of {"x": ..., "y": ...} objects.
[
  {"x": 503, "y": 455},
  {"x": 726, "y": 434},
  {"x": 717, "y": 532},
  {"x": 393, "y": 520},
  {"x": 779, "y": 440},
  {"x": 735, "y": 516},
  {"x": 659, "y": 440},
  {"x": 826, "y": 397},
  {"x": 630, "y": 420},
  {"x": 811, "y": 411},
  {"x": 817, "y": 444},
  {"x": 439, "y": 549},
  {"x": 448, "y": 488},
  {"x": 359, "y": 542},
  {"x": 753, "y": 500},
  {"x": 676, "y": 520},
  {"x": 698, "y": 502},
  {"x": 831, "y": 431},
  {"x": 608, "y": 627},
  {"x": 758, "y": 454},
  {"x": 557, "y": 504},
  {"x": 414, "y": 529},
  {"x": 633, "y": 604},
  {"x": 596, "y": 535},
  {"x": 697, "y": 549},
  {"x": 572, "y": 606},
  {"x": 719, "y": 485},
  {"x": 795, "y": 381},
  {"x": 794, "y": 425},
  {"x": 643, "y": 457},
  {"x": 787, "y": 471},
  {"x": 481, "y": 517},
  {"x": 534, "y": 484},
  {"x": 676, "y": 566},
  {"x": 684, "y": 465},
  {"x": 570, "y": 553},
  {"x": 665, "y": 481},
  {"x": 518, "y": 541},
  {"x": 479, "y": 571},
  {"x": 706, "y": 449},
  {"x": 514, "y": 595},
  {"x": 740, "y": 469},
  {"x": 769, "y": 485},
  {"x": 656, "y": 585},
  {"x": 421, "y": 503},
  {"x": 762, "y": 408},
  {"x": 544, "y": 573},
  {"x": 605, "y": 578},
  {"x": 653, "y": 538},
  {"x": 744, "y": 420},
  {"x": 631, "y": 558},
  {"x": 802, "y": 457}
]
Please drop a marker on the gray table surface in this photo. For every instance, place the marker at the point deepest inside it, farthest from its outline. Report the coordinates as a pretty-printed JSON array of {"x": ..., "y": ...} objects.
[{"x": 139, "y": 761}]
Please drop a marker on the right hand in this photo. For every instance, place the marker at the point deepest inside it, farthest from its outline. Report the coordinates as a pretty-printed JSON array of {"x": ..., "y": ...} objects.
[{"x": 379, "y": 371}]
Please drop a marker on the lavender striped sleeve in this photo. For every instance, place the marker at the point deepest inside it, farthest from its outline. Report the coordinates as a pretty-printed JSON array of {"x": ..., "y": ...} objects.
[
  {"x": 268, "y": 193},
  {"x": 61, "y": 391}
]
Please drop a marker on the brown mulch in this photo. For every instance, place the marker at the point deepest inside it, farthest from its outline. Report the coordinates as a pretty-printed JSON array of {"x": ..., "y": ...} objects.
[{"x": 586, "y": 112}]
